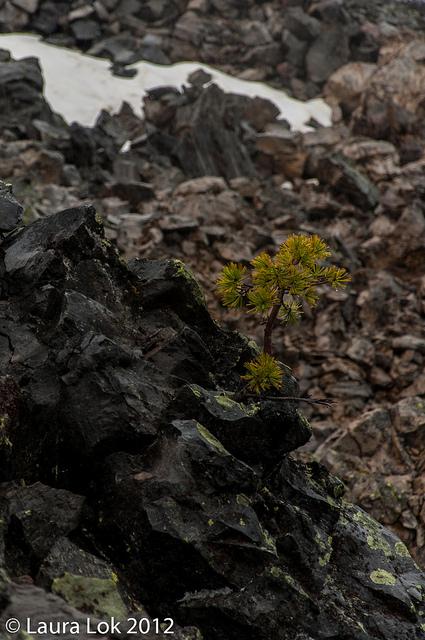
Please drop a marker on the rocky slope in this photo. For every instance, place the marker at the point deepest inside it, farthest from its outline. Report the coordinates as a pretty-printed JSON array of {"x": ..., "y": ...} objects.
[
  {"x": 212, "y": 177},
  {"x": 132, "y": 482},
  {"x": 291, "y": 43}
]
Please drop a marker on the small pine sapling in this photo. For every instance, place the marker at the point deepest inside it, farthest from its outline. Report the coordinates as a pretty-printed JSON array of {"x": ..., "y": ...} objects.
[{"x": 274, "y": 288}]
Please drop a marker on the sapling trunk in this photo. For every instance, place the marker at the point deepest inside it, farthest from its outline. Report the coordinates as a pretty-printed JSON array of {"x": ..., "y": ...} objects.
[{"x": 268, "y": 330}]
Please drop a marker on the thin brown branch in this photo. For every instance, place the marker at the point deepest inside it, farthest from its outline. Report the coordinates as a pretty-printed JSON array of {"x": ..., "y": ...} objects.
[
  {"x": 268, "y": 330},
  {"x": 327, "y": 402}
]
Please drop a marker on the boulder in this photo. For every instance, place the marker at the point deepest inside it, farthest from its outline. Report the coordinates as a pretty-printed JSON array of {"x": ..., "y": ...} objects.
[
  {"x": 21, "y": 94},
  {"x": 286, "y": 151},
  {"x": 327, "y": 53},
  {"x": 346, "y": 180},
  {"x": 389, "y": 106},
  {"x": 30, "y": 533},
  {"x": 30, "y": 6},
  {"x": 348, "y": 84},
  {"x": 237, "y": 424},
  {"x": 207, "y": 138},
  {"x": 302, "y": 25}
]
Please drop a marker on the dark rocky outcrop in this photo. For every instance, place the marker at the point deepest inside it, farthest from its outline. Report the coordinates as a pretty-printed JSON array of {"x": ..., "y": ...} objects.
[
  {"x": 361, "y": 346},
  {"x": 10, "y": 209},
  {"x": 203, "y": 129},
  {"x": 159, "y": 489},
  {"x": 21, "y": 93}
]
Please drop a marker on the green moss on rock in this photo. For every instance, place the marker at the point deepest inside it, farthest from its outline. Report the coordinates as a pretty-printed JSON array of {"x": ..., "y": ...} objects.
[
  {"x": 325, "y": 547},
  {"x": 4, "y": 438},
  {"x": 243, "y": 500},
  {"x": 303, "y": 419},
  {"x": 381, "y": 576},
  {"x": 377, "y": 543},
  {"x": 401, "y": 550},
  {"x": 212, "y": 440},
  {"x": 269, "y": 544},
  {"x": 181, "y": 271},
  {"x": 228, "y": 403},
  {"x": 99, "y": 596},
  {"x": 279, "y": 574},
  {"x": 196, "y": 392}
]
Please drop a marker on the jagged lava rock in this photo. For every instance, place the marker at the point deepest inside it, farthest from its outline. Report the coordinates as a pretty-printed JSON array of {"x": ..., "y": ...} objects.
[
  {"x": 21, "y": 99},
  {"x": 11, "y": 211},
  {"x": 194, "y": 511}
]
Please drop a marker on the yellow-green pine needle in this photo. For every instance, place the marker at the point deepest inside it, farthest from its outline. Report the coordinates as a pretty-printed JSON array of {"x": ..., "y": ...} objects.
[
  {"x": 262, "y": 299},
  {"x": 264, "y": 373},
  {"x": 311, "y": 296},
  {"x": 262, "y": 262},
  {"x": 290, "y": 312},
  {"x": 229, "y": 285},
  {"x": 319, "y": 250},
  {"x": 337, "y": 277}
]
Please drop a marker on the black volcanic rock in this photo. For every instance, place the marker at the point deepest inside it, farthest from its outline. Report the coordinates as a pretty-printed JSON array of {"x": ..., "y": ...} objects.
[
  {"x": 345, "y": 349},
  {"x": 11, "y": 211},
  {"x": 327, "y": 53},
  {"x": 207, "y": 140},
  {"x": 25, "y": 512},
  {"x": 21, "y": 94},
  {"x": 345, "y": 179},
  {"x": 252, "y": 431},
  {"x": 207, "y": 131},
  {"x": 129, "y": 497}
]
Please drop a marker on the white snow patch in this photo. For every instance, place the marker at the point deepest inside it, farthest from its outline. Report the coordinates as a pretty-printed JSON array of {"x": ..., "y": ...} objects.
[{"x": 78, "y": 86}]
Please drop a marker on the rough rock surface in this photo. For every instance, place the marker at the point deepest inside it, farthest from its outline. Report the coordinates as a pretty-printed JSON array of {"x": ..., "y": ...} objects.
[
  {"x": 10, "y": 209},
  {"x": 291, "y": 43},
  {"x": 117, "y": 495},
  {"x": 21, "y": 88},
  {"x": 358, "y": 184}
]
